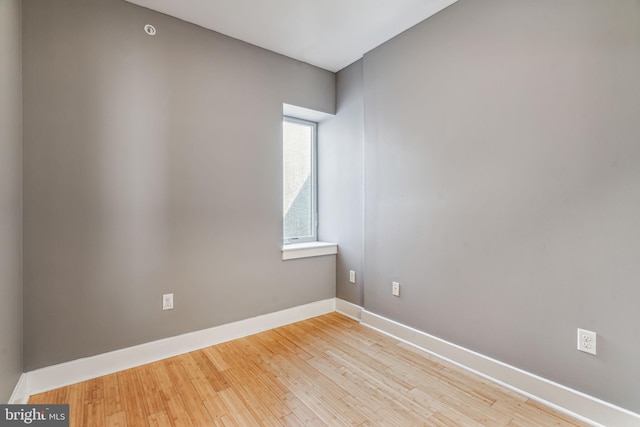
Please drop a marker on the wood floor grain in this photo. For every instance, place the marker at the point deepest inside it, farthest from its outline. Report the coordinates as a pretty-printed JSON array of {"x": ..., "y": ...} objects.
[{"x": 325, "y": 371}]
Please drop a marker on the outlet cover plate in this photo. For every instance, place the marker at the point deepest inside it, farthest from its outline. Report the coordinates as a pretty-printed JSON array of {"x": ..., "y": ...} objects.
[
  {"x": 352, "y": 276},
  {"x": 587, "y": 341},
  {"x": 167, "y": 301},
  {"x": 395, "y": 289}
]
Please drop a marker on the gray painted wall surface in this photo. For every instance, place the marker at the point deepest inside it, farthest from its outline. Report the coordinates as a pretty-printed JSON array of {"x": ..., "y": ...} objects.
[
  {"x": 340, "y": 188},
  {"x": 10, "y": 197},
  {"x": 503, "y": 185},
  {"x": 153, "y": 165}
]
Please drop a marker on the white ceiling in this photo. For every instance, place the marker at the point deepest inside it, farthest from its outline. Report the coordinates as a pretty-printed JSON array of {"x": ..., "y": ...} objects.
[{"x": 330, "y": 34}]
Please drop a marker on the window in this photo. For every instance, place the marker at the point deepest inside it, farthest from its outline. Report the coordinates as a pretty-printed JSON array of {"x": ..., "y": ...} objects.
[{"x": 299, "y": 178}]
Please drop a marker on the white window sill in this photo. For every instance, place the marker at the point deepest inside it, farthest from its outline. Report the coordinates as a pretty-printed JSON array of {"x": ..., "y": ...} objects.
[{"x": 309, "y": 249}]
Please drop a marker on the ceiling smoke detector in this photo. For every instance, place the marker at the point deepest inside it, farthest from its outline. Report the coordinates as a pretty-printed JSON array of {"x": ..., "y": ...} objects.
[{"x": 150, "y": 30}]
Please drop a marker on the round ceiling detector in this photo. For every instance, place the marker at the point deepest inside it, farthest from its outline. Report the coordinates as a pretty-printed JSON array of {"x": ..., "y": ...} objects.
[{"x": 150, "y": 30}]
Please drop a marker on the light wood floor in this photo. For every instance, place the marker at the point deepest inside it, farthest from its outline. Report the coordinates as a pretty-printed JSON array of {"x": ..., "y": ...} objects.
[{"x": 328, "y": 370}]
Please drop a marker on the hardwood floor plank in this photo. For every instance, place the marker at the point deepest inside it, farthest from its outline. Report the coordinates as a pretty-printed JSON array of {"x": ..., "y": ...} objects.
[
  {"x": 94, "y": 414},
  {"x": 208, "y": 367},
  {"x": 159, "y": 419},
  {"x": 301, "y": 411},
  {"x": 203, "y": 387},
  {"x": 238, "y": 412},
  {"x": 454, "y": 420},
  {"x": 118, "y": 419},
  {"x": 551, "y": 412},
  {"x": 132, "y": 398},
  {"x": 381, "y": 401},
  {"x": 262, "y": 402},
  {"x": 291, "y": 421},
  {"x": 153, "y": 403},
  {"x": 325, "y": 398},
  {"x": 184, "y": 387},
  {"x": 94, "y": 389},
  {"x": 212, "y": 402},
  {"x": 258, "y": 402},
  {"x": 75, "y": 396},
  {"x": 324, "y": 371},
  {"x": 176, "y": 412},
  {"x": 112, "y": 398},
  {"x": 213, "y": 353}
]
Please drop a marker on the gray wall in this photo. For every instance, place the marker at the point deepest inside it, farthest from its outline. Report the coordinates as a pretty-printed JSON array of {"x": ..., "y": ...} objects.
[
  {"x": 503, "y": 185},
  {"x": 341, "y": 188},
  {"x": 153, "y": 165},
  {"x": 10, "y": 197}
]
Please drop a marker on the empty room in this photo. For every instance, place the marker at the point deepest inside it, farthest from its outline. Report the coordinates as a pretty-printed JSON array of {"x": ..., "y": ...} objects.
[{"x": 320, "y": 212}]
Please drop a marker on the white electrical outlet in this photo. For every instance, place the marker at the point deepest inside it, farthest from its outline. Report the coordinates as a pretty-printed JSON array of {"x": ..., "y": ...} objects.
[
  {"x": 587, "y": 341},
  {"x": 167, "y": 301},
  {"x": 395, "y": 289},
  {"x": 352, "y": 276}
]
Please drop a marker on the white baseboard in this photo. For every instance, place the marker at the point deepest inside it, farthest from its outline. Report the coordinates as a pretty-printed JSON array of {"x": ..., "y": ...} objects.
[
  {"x": 20, "y": 395},
  {"x": 572, "y": 402},
  {"x": 579, "y": 405},
  {"x": 348, "y": 309},
  {"x": 52, "y": 377}
]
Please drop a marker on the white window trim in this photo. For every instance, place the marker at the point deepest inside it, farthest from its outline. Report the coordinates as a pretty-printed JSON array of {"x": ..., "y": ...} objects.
[
  {"x": 308, "y": 249},
  {"x": 314, "y": 183}
]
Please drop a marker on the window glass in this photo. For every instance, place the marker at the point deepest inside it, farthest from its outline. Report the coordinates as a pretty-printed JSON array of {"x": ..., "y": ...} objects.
[{"x": 299, "y": 210}]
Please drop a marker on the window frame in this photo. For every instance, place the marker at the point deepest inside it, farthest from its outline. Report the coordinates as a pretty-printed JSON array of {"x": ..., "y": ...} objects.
[{"x": 314, "y": 182}]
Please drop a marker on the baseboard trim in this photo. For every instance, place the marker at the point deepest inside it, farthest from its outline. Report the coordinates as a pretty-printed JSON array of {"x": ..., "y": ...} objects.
[
  {"x": 564, "y": 399},
  {"x": 579, "y": 405},
  {"x": 52, "y": 377},
  {"x": 20, "y": 394},
  {"x": 349, "y": 309}
]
